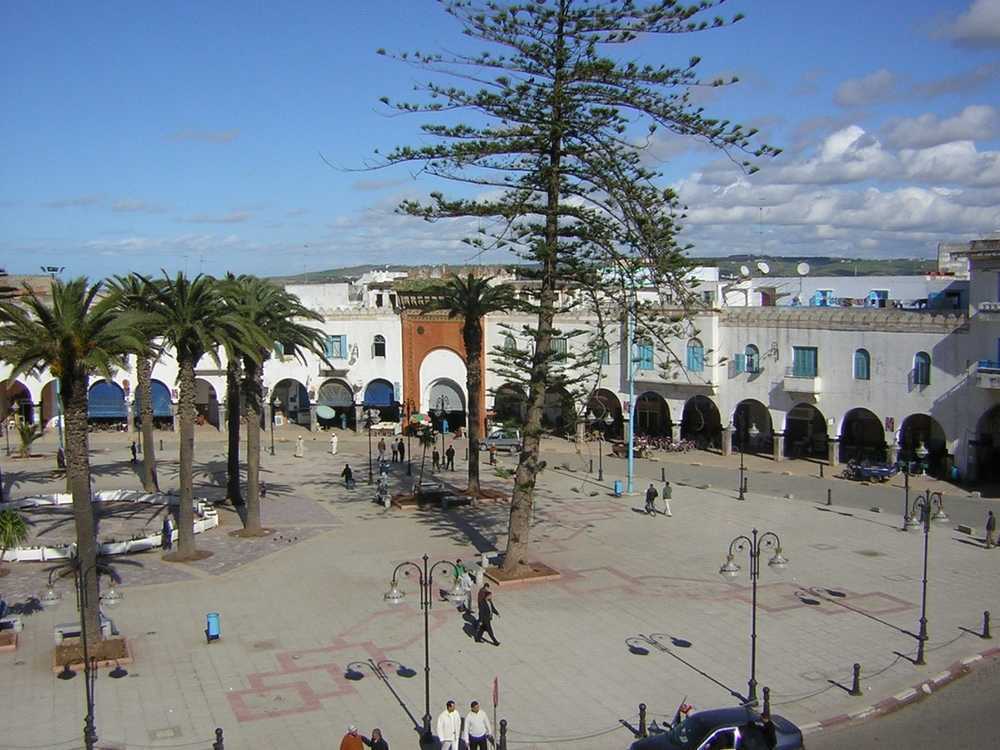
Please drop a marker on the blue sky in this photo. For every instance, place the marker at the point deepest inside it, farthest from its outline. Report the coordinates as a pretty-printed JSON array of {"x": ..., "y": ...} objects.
[{"x": 182, "y": 135}]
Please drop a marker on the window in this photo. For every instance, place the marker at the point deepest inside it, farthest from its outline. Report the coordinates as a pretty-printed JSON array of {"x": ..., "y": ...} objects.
[
  {"x": 695, "y": 356},
  {"x": 752, "y": 356},
  {"x": 922, "y": 369},
  {"x": 804, "y": 361},
  {"x": 740, "y": 363},
  {"x": 378, "y": 300},
  {"x": 283, "y": 349},
  {"x": 644, "y": 355},
  {"x": 335, "y": 347},
  {"x": 378, "y": 346},
  {"x": 862, "y": 365},
  {"x": 559, "y": 345},
  {"x": 509, "y": 343}
]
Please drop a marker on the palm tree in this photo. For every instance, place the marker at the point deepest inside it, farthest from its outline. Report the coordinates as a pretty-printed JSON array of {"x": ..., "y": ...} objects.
[
  {"x": 233, "y": 418},
  {"x": 190, "y": 316},
  {"x": 472, "y": 299},
  {"x": 28, "y": 433},
  {"x": 13, "y": 532},
  {"x": 78, "y": 335},
  {"x": 132, "y": 295},
  {"x": 280, "y": 316}
]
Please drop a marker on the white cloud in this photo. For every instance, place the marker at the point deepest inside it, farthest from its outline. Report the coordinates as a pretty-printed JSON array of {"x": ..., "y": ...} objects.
[
  {"x": 857, "y": 92},
  {"x": 79, "y": 201},
  {"x": 233, "y": 217},
  {"x": 977, "y": 122},
  {"x": 979, "y": 26},
  {"x": 132, "y": 206},
  {"x": 957, "y": 162}
]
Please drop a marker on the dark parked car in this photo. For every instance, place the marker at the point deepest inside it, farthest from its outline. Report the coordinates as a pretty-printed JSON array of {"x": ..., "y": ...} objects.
[{"x": 726, "y": 729}]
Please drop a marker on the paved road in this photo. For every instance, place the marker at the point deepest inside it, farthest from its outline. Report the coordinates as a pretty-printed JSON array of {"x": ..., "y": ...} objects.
[{"x": 962, "y": 716}]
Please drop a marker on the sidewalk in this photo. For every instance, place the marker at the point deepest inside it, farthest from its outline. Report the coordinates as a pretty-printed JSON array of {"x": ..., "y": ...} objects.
[{"x": 300, "y": 606}]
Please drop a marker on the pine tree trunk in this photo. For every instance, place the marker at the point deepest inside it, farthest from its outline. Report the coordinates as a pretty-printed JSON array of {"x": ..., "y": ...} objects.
[
  {"x": 253, "y": 387},
  {"x": 185, "y": 514},
  {"x": 74, "y": 390},
  {"x": 472, "y": 334},
  {"x": 144, "y": 386},
  {"x": 522, "y": 499},
  {"x": 233, "y": 417}
]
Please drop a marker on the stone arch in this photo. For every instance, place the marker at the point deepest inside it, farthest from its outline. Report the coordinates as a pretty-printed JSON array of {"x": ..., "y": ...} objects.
[
  {"x": 862, "y": 437},
  {"x": 16, "y": 397},
  {"x": 335, "y": 404},
  {"x": 447, "y": 404},
  {"x": 441, "y": 363},
  {"x": 701, "y": 422},
  {"x": 206, "y": 403},
  {"x": 919, "y": 429},
  {"x": 806, "y": 433},
  {"x": 603, "y": 402},
  {"x": 749, "y": 416},
  {"x": 163, "y": 412},
  {"x": 50, "y": 402},
  {"x": 290, "y": 401},
  {"x": 559, "y": 410},
  {"x": 106, "y": 403},
  {"x": 510, "y": 405},
  {"x": 652, "y": 415},
  {"x": 380, "y": 394}
]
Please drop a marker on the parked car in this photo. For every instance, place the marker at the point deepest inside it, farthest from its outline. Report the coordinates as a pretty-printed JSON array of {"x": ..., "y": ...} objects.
[
  {"x": 504, "y": 440},
  {"x": 726, "y": 729}
]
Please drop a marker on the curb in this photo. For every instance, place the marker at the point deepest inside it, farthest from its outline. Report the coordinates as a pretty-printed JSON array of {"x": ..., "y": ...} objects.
[{"x": 901, "y": 699}]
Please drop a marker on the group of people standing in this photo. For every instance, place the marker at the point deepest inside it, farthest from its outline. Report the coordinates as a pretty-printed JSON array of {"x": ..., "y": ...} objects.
[
  {"x": 474, "y": 730},
  {"x": 449, "y": 459},
  {"x": 652, "y": 494},
  {"x": 398, "y": 450}
]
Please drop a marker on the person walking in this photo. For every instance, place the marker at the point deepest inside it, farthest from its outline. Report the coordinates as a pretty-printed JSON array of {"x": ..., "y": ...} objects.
[
  {"x": 135, "y": 451},
  {"x": 333, "y": 444},
  {"x": 449, "y": 727},
  {"x": 667, "y": 493},
  {"x": 991, "y": 527},
  {"x": 377, "y": 741},
  {"x": 486, "y": 612},
  {"x": 348, "y": 476},
  {"x": 449, "y": 456},
  {"x": 651, "y": 495},
  {"x": 402, "y": 450},
  {"x": 477, "y": 730},
  {"x": 493, "y": 455},
  {"x": 300, "y": 447},
  {"x": 436, "y": 459},
  {"x": 167, "y": 533},
  {"x": 352, "y": 740},
  {"x": 395, "y": 452},
  {"x": 381, "y": 450}
]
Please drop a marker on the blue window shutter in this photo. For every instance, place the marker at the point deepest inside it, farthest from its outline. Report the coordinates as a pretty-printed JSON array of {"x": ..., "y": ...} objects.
[
  {"x": 279, "y": 350},
  {"x": 343, "y": 347},
  {"x": 741, "y": 361},
  {"x": 328, "y": 347}
]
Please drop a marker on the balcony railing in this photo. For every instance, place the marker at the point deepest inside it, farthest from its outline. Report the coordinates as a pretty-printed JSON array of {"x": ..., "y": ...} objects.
[
  {"x": 800, "y": 382},
  {"x": 988, "y": 365},
  {"x": 988, "y": 374}
]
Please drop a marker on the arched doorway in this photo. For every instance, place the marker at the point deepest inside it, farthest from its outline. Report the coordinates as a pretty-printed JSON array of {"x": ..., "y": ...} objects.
[
  {"x": 510, "y": 405},
  {"x": 702, "y": 423},
  {"x": 17, "y": 398},
  {"x": 752, "y": 428},
  {"x": 290, "y": 401},
  {"x": 379, "y": 394},
  {"x": 862, "y": 437},
  {"x": 50, "y": 404},
  {"x": 559, "y": 411},
  {"x": 805, "y": 433},
  {"x": 106, "y": 404},
  {"x": 604, "y": 403},
  {"x": 652, "y": 415},
  {"x": 447, "y": 404},
  {"x": 163, "y": 412},
  {"x": 335, "y": 405},
  {"x": 923, "y": 429},
  {"x": 206, "y": 403}
]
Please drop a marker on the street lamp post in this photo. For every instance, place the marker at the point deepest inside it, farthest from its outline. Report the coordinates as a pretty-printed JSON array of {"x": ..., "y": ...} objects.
[
  {"x": 441, "y": 410},
  {"x": 606, "y": 421},
  {"x": 425, "y": 580},
  {"x": 270, "y": 411},
  {"x": 409, "y": 457},
  {"x": 922, "y": 452},
  {"x": 730, "y": 569},
  {"x": 925, "y": 503},
  {"x": 372, "y": 417},
  {"x": 110, "y": 599}
]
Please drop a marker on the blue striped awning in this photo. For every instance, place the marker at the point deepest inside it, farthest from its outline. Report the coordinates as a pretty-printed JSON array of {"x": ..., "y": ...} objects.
[
  {"x": 106, "y": 400},
  {"x": 379, "y": 393}
]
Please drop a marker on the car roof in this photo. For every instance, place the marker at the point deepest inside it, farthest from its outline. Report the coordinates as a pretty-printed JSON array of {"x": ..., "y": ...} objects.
[{"x": 726, "y": 716}]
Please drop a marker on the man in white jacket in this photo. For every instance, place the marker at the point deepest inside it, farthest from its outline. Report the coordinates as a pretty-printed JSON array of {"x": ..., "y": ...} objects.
[
  {"x": 449, "y": 727},
  {"x": 477, "y": 729}
]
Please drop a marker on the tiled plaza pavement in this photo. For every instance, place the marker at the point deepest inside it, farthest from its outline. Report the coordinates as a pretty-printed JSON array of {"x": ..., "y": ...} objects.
[{"x": 296, "y": 614}]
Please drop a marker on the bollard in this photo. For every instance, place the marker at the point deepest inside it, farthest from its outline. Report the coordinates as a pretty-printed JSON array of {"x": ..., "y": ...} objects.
[
  {"x": 161, "y": 444},
  {"x": 218, "y": 744},
  {"x": 213, "y": 630},
  {"x": 591, "y": 469},
  {"x": 502, "y": 744},
  {"x": 642, "y": 721},
  {"x": 663, "y": 473},
  {"x": 829, "y": 496},
  {"x": 986, "y": 625},
  {"x": 856, "y": 683},
  {"x": 767, "y": 702},
  {"x": 466, "y": 455}
]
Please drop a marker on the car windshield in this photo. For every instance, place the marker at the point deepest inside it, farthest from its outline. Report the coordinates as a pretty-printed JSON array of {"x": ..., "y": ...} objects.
[{"x": 688, "y": 733}]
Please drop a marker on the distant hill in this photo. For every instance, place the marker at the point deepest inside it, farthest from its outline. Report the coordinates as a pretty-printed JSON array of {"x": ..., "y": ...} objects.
[{"x": 729, "y": 265}]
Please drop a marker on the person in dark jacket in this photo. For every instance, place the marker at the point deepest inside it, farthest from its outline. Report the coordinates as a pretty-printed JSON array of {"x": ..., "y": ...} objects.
[
  {"x": 486, "y": 612},
  {"x": 991, "y": 527},
  {"x": 377, "y": 741},
  {"x": 651, "y": 495},
  {"x": 348, "y": 476},
  {"x": 449, "y": 456},
  {"x": 402, "y": 450}
]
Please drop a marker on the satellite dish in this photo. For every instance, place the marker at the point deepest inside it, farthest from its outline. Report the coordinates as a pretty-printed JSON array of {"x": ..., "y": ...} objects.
[
  {"x": 802, "y": 269},
  {"x": 744, "y": 271},
  {"x": 763, "y": 267}
]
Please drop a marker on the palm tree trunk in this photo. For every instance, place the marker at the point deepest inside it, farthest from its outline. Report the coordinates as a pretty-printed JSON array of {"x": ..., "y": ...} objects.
[
  {"x": 74, "y": 390},
  {"x": 253, "y": 383},
  {"x": 233, "y": 418},
  {"x": 185, "y": 514},
  {"x": 472, "y": 334},
  {"x": 145, "y": 376}
]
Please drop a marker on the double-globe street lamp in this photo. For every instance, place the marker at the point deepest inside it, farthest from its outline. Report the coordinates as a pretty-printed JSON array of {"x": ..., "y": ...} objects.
[
  {"x": 604, "y": 423},
  {"x": 442, "y": 402},
  {"x": 752, "y": 433},
  {"x": 425, "y": 580},
  {"x": 372, "y": 417},
  {"x": 925, "y": 505},
  {"x": 51, "y": 597},
  {"x": 753, "y": 545}
]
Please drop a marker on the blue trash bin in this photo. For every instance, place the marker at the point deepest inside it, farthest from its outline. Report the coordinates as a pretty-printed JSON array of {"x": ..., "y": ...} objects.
[
  {"x": 212, "y": 628},
  {"x": 618, "y": 488}
]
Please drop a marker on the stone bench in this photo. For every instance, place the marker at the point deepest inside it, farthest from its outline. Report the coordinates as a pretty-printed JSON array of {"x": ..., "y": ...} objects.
[{"x": 72, "y": 630}]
